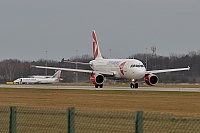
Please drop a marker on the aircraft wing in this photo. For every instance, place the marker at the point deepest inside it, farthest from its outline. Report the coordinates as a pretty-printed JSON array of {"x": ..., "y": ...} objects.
[
  {"x": 167, "y": 70},
  {"x": 81, "y": 63},
  {"x": 76, "y": 70}
]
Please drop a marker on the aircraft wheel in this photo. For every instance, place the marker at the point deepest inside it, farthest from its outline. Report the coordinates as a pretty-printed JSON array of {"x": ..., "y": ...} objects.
[
  {"x": 132, "y": 85},
  {"x": 101, "y": 86},
  {"x": 136, "y": 85},
  {"x": 96, "y": 86}
]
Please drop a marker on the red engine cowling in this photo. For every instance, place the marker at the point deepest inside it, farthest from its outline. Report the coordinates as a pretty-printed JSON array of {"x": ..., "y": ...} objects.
[
  {"x": 97, "y": 79},
  {"x": 151, "y": 79}
]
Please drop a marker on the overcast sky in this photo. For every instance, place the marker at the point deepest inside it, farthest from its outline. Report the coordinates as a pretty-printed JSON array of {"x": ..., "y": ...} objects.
[{"x": 28, "y": 28}]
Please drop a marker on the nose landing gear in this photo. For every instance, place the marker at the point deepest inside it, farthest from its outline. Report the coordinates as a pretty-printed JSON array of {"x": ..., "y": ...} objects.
[{"x": 134, "y": 84}]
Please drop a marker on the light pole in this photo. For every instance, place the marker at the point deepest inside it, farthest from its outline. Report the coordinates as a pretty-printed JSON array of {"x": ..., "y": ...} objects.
[
  {"x": 76, "y": 66},
  {"x": 110, "y": 53},
  {"x": 46, "y": 64},
  {"x": 146, "y": 58}
]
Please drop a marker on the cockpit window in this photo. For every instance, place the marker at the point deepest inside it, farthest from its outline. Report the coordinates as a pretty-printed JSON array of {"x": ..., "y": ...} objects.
[{"x": 132, "y": 66}]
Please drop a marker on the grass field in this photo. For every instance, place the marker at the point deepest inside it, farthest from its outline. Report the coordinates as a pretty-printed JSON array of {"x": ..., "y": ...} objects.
[{"x": 175, "y": 103}]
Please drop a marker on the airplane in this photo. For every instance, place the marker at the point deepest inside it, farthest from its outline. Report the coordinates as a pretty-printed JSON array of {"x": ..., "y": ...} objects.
[
  {"x": 53, "y": 79},
  {"x": 132, "y": 69}
]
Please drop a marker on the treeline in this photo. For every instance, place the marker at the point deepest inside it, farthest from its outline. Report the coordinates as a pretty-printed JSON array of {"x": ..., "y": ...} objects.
[{"x": 11, "y": 69}]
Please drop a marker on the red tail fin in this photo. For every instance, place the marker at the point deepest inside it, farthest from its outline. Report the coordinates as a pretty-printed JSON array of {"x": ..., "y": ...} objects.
[{"x": 96, "y": 51}]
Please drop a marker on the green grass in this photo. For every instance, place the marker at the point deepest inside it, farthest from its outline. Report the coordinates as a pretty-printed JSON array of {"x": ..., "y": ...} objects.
[
  {"x": 178, "y": 103},
  {"x": 43, "y": 110}
]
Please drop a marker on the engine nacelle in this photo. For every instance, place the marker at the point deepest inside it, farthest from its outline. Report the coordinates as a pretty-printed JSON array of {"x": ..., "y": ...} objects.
[
  {"x": 151, "y": 79},
  {"x": 97, "y": 79}
]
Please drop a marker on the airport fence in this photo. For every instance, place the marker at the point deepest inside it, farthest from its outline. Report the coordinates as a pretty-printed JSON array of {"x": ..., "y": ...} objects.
[{"x": 71, "y": 120}]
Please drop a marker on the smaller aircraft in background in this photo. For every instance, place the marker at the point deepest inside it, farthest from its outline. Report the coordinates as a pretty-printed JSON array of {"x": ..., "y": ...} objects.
[{"x": 38, "y": 80}]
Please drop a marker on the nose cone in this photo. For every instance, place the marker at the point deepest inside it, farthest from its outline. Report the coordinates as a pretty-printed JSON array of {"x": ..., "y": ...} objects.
[
  {"x": 141, "y": 72},
  {"x": 16, "y": 81}
]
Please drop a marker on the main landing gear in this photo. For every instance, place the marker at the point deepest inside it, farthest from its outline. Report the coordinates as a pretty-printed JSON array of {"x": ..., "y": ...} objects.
[
  {"x": 134, "y": 84},
  {"x": 99, "y": 86}
]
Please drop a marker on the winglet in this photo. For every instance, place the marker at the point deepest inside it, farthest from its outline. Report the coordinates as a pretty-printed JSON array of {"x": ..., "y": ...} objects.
[
  {"x": 96, "y": 50},
  {"x": 31, "y": 66}
]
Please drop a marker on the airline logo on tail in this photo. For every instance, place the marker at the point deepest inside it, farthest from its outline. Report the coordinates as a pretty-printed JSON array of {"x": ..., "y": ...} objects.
[
  {"x": 57, "y": 74},
  {"x": 96, "y": 51}
]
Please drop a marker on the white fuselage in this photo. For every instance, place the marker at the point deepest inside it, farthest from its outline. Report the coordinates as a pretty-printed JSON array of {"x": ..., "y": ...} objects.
[
  {"x": 36, "y": 80},
  {"x": 122, "y": 68}
]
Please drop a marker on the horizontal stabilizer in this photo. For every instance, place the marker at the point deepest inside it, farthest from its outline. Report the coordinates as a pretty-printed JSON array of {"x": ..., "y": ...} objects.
[{"x": 82, "y": 63}]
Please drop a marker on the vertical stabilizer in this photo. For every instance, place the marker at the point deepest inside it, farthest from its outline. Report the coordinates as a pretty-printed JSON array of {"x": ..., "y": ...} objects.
[
  {"x": 96, "y": 51},
  {"x": 57, "y": 74}
]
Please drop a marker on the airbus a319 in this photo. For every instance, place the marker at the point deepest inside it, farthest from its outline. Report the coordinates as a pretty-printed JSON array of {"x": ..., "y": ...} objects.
[{"x": 132, "y": 69}]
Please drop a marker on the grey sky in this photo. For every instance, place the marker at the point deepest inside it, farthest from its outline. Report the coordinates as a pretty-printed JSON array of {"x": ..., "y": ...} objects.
[{"x": 28, "y": 28}]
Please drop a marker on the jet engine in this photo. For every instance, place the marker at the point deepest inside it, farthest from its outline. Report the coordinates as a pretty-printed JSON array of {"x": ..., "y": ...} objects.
[
  {"x": 151, "y": 79},
  {"x": 97, "y": 79}
]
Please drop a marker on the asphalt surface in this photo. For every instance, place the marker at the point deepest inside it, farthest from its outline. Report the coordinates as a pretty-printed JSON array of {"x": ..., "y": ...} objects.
[{"x": 104, "y": 88}]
